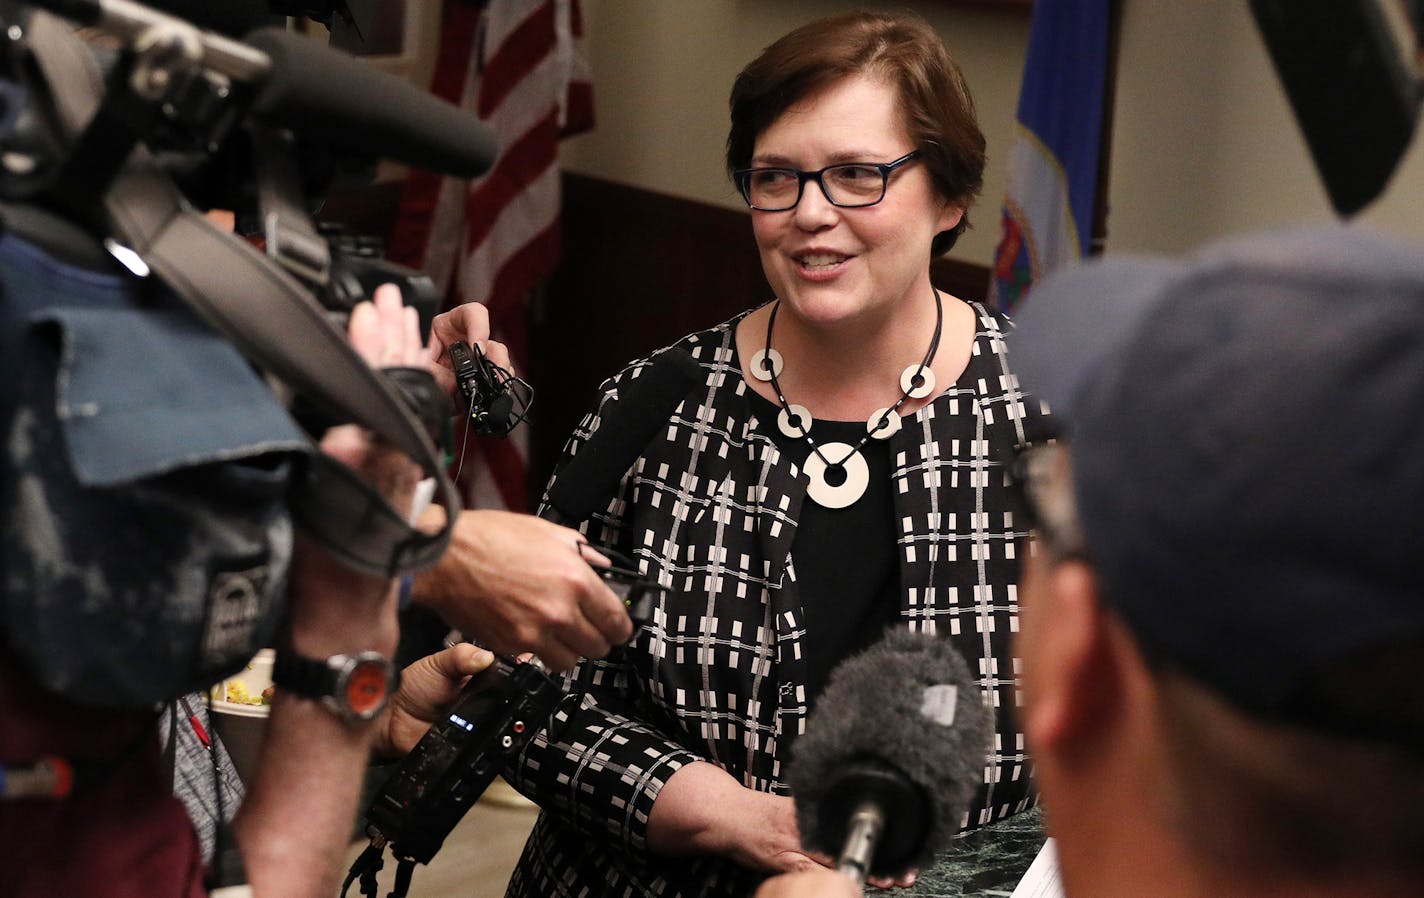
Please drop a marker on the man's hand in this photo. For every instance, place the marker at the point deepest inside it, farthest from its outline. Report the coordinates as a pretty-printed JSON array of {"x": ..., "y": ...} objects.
[
  {"x": 427, "y": 689},
  {"x": 518, "y": 583},
  {"x": 809, "y": 884},
  {"x": 333, "y": 608},
  {"x": 468, "y": 322},
  {"x": 295, "y": 822}
]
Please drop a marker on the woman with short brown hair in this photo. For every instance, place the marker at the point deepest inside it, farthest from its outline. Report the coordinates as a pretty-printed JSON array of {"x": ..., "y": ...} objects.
[{"x": 835, "y": 473}]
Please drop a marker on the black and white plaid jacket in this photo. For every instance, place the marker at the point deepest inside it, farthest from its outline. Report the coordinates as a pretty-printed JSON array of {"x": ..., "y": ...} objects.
[{"x": 711, "y": 510}]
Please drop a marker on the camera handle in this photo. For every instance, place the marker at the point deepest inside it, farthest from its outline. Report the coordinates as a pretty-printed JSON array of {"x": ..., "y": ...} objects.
[{"x": 291, "y": 236}]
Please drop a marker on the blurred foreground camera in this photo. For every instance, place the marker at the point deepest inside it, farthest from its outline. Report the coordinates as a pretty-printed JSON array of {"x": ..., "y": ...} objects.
[{"x": 358, "y": 268}]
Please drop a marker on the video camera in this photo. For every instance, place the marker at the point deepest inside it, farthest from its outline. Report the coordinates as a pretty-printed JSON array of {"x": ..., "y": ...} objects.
[{"x": 114, "y": 138}]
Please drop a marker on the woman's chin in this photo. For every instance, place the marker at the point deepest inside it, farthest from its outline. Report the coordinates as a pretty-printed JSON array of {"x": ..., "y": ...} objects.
[{"x": 820, "y": 308}]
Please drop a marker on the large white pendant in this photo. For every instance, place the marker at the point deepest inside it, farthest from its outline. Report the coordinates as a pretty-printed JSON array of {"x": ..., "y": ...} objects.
[
  {"x": 927, "y": 381},
  {"x": 766, "y": 364},
  {"x": 857, "y": 476}
]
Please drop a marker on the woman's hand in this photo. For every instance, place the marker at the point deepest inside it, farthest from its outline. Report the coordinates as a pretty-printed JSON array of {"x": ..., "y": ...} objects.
[
  {"x": 763, "y": 835},
  {"x": 703, "y": 810},
  {"x": 468, "y": 322},
  {"x": 894, "y": 882},
  {"x": 427, "y": 689}
]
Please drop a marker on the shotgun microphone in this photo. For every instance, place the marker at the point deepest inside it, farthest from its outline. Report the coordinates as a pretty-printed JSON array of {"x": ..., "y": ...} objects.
[
  {"x": 316, "y": 91},
  {"x": 625, "y": 426}
]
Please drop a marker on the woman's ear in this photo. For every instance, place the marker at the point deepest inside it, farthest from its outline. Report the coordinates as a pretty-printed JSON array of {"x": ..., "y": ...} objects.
[{"x": 949, "y": 217}]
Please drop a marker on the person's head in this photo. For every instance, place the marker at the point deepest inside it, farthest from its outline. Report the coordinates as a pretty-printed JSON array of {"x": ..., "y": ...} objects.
[
  {"x": 860, "y": 87},
  {"x": 1225, "y": 607}
]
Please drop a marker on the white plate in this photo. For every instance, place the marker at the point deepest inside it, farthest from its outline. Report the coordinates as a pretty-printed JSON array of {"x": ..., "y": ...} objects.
[{"x": 257, "y": 676}]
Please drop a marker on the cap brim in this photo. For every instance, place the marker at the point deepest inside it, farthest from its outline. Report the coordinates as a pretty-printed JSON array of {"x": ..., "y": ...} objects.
[{"x": 1076, "y": 319}]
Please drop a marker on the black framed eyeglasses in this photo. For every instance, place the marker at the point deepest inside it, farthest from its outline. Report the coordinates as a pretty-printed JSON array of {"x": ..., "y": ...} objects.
[
  {"x": 849, "y": 185},
  {"x": 1039, "y": 474}
]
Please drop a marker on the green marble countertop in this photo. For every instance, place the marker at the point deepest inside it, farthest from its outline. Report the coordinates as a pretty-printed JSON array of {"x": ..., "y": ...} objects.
[{"x": 986, "y": 863}]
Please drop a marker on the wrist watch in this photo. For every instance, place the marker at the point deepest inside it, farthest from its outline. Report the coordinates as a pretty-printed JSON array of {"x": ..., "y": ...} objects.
[{"x": 355, "y": 687}]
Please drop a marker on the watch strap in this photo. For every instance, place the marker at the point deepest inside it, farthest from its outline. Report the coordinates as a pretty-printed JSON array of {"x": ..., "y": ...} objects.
[{"x": 356, "y": 687}]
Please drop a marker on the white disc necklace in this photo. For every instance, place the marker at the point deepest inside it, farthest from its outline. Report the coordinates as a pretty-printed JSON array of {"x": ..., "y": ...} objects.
[{"x": 840, "y": 483}]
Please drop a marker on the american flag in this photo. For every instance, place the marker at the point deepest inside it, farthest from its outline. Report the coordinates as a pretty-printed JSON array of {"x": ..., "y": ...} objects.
[{"x": 520, "y": 66}]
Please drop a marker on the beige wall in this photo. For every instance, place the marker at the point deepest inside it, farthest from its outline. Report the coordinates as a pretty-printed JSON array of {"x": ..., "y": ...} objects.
[
  {"x": 1204, "y": 141},
  {"x": 662, "y": 70}
]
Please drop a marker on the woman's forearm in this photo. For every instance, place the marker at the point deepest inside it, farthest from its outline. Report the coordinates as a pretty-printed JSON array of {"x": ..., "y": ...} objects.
[{"x": 703, "y": 810}]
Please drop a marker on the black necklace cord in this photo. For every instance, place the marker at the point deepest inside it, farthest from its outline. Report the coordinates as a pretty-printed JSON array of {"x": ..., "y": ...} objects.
[{"x": 915, "y": 381}]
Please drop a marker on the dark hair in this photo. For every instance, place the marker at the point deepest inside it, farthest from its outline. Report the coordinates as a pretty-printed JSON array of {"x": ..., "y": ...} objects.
[{"x": 937, "y": 110}]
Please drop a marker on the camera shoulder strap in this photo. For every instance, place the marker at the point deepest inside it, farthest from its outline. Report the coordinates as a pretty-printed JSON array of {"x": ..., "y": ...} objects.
[{"x": 274, "y": 322}]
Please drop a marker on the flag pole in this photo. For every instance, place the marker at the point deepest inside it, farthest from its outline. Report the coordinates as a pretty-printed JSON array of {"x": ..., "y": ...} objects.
[{"x": 1101, "y": 205}]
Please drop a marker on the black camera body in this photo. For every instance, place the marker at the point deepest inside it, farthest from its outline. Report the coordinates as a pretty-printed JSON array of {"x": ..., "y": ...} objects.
[
  {"x": 499, "y": 711},
  {"x": 358, "y": 268}
]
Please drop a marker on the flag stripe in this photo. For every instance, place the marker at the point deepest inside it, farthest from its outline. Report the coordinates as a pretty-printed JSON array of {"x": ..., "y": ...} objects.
[
  {"x": 515, "y": 59},
  {"x": 520, "y": 221},
  {"x": 420, "y": 196},
  {"x": 521, "y": 165},
  {"x": 519, "y": 65}
]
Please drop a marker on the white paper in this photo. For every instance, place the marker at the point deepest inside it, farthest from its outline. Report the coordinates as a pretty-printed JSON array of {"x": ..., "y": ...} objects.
[{"x": 1041, "y": 880}]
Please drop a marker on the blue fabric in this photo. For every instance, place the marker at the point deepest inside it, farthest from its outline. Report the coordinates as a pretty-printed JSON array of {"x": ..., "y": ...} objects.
[
  {"x": 143, "y": 487},
  {"x": 1047, "y": 220},
  {"x": 142, "y": 389},
  {"x": 1061, "y": 98}
]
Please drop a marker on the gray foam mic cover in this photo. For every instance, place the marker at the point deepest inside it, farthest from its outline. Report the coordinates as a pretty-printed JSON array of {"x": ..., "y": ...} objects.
[{"x": 908, "y": 707}]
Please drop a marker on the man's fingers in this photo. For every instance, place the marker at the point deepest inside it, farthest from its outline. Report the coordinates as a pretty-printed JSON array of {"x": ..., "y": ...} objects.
[
  {"x": 468, "y": 322},
  {"x": 498, "y": 353},
  {"x": 590, "y": 554},
  {"x": 583, "y": 639},
  {"x": 609, "y": 616},
  {"x": 461, "y": 661},
  {"x": 558, "y": 657}
]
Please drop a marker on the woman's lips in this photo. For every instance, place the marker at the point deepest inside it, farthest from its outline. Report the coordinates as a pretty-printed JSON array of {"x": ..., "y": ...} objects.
[{"x": 819, "y": 265}]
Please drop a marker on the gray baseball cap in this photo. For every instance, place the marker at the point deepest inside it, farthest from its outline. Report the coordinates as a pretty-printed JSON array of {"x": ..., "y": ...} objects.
[{"x": 1247, "y": 432}]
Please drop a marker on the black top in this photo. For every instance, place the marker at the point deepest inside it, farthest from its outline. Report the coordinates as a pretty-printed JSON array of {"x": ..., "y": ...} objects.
[{"x": 845, "y": 557}]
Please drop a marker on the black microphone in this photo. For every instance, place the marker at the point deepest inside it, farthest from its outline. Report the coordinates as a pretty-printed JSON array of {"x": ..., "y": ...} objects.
[
  {"x": 891, "y": 756},
  {"x": 1350, "y": 72},
  {"x": 320, "y": 92},
  {"x": 626, "y": 425}
]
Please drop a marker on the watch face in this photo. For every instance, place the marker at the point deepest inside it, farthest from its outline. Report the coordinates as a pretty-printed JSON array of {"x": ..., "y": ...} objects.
[{"x": 366, "y": 688}]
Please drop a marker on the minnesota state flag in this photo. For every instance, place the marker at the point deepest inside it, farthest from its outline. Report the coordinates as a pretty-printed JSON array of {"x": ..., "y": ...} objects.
[{"x": 1053, "y": 163}]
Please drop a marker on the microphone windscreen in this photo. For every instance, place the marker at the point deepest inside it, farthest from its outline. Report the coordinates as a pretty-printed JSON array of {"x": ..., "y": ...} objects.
[
  {"x": 906, "y": 707},
  {"x": 625, "y": 427},
  {"x": 323, "y": 93}
]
